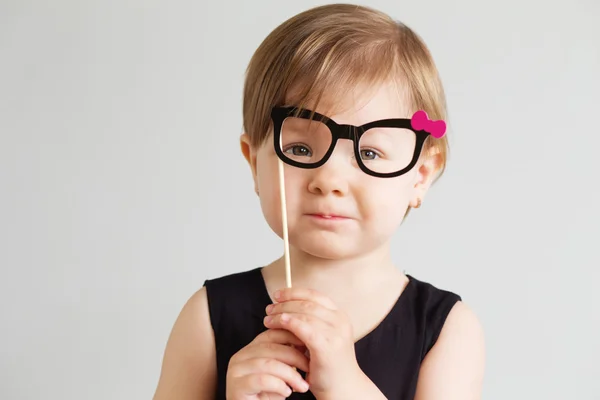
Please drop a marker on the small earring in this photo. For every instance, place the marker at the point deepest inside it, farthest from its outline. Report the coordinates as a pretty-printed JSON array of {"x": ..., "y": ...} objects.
[{"x": 418, "y": 203}]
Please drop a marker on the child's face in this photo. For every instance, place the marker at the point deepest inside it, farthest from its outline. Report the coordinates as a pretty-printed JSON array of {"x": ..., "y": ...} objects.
[{"x": 368, "y": 209}]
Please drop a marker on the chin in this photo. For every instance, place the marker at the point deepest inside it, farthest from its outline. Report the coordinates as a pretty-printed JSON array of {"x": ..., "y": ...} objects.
[{"x": 327, "y": 246}]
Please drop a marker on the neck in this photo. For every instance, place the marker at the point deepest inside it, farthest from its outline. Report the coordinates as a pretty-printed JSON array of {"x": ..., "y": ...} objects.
[{"x": 353, "y": 275}]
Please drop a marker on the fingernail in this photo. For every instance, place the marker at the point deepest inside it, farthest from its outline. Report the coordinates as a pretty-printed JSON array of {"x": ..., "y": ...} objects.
[
  {"x": 305, "y": 385},
  {"x": 268, "y": 319},
  {"x": 269, "y": 308}
]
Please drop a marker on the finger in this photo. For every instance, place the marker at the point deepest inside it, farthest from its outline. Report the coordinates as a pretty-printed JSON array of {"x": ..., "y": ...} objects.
[
  {"x": 312, "y": 331},
  {"x": 279, "y": 336},
  {"x": 277, "y": 369},
  {"x": 270, "y": 396},
  {"x": 258, "y": 383},
  {"x": 295, "y": 293},
  {"x": 286, "y": 354},
  {"x": 304, "y": 307}
]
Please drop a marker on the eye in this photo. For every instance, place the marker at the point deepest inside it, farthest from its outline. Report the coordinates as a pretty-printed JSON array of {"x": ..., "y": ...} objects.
[
  {"x": 298, "y": 150},
  {"x": 368, "y": 154}
]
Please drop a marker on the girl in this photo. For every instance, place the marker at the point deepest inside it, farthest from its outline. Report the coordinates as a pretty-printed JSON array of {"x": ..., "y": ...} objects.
[{"x": 351, "y": 102}]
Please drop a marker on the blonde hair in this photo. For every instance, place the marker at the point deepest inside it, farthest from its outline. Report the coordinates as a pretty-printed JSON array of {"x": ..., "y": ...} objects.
[{"x": 328, "y": 50}]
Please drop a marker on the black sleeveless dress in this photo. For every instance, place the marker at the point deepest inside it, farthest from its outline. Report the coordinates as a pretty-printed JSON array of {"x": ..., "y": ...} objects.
[{"x": 390, "y": 355}]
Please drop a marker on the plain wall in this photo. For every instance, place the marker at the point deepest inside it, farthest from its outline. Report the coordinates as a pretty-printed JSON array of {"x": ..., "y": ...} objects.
[{"x": 123, "y": 187}]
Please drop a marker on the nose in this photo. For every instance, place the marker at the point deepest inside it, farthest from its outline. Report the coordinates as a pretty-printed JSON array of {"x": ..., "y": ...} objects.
[{"x": 333, "y": 177}]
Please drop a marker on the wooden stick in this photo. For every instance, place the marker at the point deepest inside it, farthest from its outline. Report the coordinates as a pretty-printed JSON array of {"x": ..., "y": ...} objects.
[{"x": 286, "y": 244}]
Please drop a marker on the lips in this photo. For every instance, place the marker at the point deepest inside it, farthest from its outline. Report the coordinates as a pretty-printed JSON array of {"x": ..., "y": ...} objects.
[{"x": 331, "y": 216}]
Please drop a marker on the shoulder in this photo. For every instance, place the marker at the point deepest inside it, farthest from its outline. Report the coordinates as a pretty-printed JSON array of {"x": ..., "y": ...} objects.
[
  {"x": 430, "y": 292},
  {"x": 189, "y": 361},
  {"x": 447, "y": 308},
  {"x": 431, "y": 306},
  {"x": 462, "y": 329},
  {"x": 236, "y": 304},
  {"x": 454, "y": 368},
  {"x": 235, "y": 280},
  {"x": 237, "y": 291},
  {"x": 453, "y": 365}
]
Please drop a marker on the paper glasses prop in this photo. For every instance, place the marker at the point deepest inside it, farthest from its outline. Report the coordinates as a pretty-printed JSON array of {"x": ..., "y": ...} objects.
[{"x": 316, "y": 143}]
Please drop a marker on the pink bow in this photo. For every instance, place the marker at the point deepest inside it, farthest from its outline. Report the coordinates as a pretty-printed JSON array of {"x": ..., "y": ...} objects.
[{"x": 421, "y": 122}]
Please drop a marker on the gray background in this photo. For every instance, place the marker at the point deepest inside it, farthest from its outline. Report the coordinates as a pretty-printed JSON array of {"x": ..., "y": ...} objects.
[{"x": 123, "y": 188}]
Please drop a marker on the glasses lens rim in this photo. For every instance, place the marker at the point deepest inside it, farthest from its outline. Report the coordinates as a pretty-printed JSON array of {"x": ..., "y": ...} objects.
[{"x": 400, "y": 130}]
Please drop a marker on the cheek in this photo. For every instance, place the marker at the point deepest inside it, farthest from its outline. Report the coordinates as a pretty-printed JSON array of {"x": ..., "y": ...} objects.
[
  {"x": 269, "y": 191},
  {"x": 268, "y": 187},
  {"x": 386, "y": 201}
]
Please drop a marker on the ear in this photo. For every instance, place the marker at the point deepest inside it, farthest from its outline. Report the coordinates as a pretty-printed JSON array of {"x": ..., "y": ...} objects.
[
  {"x": 428, "y": 170},
  {"x": 249, "y": 154}
]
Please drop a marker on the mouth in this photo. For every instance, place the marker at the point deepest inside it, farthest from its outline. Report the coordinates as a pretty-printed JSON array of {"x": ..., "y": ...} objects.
[{"x": 328, "y": 217}]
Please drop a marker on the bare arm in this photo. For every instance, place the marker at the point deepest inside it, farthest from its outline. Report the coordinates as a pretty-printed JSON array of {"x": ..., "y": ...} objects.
[
  {"x": 454, "y": 367},
  {"x": 189, "y": 364}
]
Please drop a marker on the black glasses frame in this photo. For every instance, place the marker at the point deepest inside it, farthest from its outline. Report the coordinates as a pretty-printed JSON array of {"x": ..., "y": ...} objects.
[{"x": 343, "y": 131}]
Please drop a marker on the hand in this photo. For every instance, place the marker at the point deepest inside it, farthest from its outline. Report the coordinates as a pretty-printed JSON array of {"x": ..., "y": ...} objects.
[
  {"x": 327, "y": 334},
  {"x": 264, "y": 369}
]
